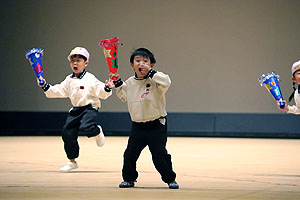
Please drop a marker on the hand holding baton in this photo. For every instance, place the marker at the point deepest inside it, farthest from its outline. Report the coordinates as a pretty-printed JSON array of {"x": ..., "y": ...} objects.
[
  {"x": 34, "y": 57},
  {"x": 271, "y": 82}
]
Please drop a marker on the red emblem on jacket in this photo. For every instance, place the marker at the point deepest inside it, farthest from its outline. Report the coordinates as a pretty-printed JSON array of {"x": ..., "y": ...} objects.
[{"x": 144, "y": 95}]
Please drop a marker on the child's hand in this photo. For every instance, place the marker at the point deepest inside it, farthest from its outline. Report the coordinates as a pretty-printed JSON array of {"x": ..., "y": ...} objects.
[
  {"x": 285, "y": 107},
  {"x": 110, "y": 83},
  {"x": 144, "y": 68},
  {"x": 38, "y": 82}
]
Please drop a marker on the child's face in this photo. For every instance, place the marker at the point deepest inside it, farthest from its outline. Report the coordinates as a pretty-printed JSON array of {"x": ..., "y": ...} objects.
[
  {"x": 296, "y": 77},
  {"x": 141, "y": 66},
  {"x": 77, "y": 64}
]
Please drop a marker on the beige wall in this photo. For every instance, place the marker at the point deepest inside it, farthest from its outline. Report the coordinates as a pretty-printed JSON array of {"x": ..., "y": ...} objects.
[{"x": 213, "y": 50}]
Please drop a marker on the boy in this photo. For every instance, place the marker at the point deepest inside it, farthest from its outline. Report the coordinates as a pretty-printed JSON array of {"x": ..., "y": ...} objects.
[
  {"x": 295, "y": 109},
  {"x": 84, "y": 91},
  {"x": 145, "y": 96}
]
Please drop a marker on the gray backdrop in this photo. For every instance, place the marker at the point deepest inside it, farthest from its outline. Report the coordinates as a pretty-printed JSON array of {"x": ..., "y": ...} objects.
[{"x": 213, "y": 50}]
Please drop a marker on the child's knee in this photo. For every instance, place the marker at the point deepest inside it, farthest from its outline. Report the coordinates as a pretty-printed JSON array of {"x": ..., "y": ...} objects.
[
  {"x": 68, "y": 134},
  {"x": 89, "y": 131}
]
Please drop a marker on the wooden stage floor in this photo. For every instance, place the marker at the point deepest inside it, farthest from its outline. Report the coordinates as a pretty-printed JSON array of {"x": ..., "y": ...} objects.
[{"x": 207, "y": 168}]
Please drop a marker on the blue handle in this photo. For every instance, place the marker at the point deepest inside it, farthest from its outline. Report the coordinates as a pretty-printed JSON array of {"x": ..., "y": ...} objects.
[
  {"x": 281, "y": 104},
  {"x": 41, "y": 82}
]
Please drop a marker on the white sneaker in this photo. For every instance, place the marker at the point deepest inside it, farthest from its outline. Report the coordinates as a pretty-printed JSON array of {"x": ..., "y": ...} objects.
[
  {"x": 100, "y": 139},
  {"x": 69, "y": 166}
]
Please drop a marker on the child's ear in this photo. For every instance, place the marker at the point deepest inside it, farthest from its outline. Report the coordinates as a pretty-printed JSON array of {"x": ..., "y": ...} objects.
[
  {"x": 293, "y": 79},
  {"x": 86, "y": 63},
  {"x": 152, "y": 65},
  {"x": 131, "y": 64}
]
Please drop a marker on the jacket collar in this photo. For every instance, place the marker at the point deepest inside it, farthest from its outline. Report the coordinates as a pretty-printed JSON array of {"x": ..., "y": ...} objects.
[
  {"x": 80, "y": 75},
  {"x": 136, "y": 78}
]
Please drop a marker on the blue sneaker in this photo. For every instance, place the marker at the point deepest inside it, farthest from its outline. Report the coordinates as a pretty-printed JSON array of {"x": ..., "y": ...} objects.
[
  {"x": 173, "y": 185},
  {"x": 126, "y": 184}
]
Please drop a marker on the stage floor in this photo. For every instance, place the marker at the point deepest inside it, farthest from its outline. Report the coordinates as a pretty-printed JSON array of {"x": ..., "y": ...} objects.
[{"x": 207, "y": 168}]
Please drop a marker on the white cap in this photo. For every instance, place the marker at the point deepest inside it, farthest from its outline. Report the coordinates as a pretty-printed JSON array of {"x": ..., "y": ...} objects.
[
  {"x": 295, "y": 67},
  {"x": 80, "y": 51}
]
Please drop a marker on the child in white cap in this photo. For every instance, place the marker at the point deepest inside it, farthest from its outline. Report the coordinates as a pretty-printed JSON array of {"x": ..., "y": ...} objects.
[
  {"x": 85, "y": 91},
  {"x": 295, "y": 109}
]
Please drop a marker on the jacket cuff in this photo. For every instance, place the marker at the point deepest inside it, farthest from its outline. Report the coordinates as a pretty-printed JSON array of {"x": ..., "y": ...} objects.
[
  {"x": 107, "y": 89},
  {"x": 151, "y": 73},
  {"x": 46, "y": 87},
  {"x": 118, "y": 83}
]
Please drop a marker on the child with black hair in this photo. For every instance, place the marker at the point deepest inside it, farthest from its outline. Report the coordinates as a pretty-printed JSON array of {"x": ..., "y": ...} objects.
[
  {"x": 85, "y": 92},
  {"x": 295, "y": 109},
  {"x": 145, "y": 96}
]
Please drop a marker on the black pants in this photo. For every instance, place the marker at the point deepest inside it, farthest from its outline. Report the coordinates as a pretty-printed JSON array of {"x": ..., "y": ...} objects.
[
  {"x": 153, "y": 134},
  {"x": 80, "y": 120}
]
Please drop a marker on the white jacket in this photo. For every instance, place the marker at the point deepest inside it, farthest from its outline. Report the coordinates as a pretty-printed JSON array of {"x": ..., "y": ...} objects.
[
  {"x": 295, "y": 109},
  {"x": 86, "y": 89},
  {"x": 145, "y": 97}
]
